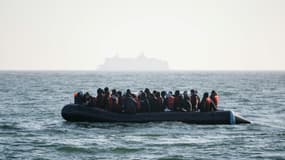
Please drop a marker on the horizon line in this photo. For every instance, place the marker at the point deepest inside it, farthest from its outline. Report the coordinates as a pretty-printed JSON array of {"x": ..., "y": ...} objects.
[{"x": 169, "y": 70}]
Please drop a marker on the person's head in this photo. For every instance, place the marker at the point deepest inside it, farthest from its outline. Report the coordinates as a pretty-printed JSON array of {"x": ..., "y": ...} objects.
[
  {"x": 147, "y": 91},
  {"x": 154, "y": 92},
  {"x": 192, "y": 92},
  {"x": 157, "y": 94},
  {"x": 106, "y": 89},
  {"x": 213, "y": 93},
  {"x": 185, "y": 93},
  {"x": 87, "y": 95},
  {"x": 128, "y": 92},
  {"x": 206, "y": 95},
  {"x": 169, "y": 94},
  {"x": 177, "y": 93},
  {"x": 163, "y": 93},
  {"x": 143, "y": 95},
  {"x": 99, "y": 91},
  {"x": 114, "y": 92},
  {"x": 119, "y": 93}
]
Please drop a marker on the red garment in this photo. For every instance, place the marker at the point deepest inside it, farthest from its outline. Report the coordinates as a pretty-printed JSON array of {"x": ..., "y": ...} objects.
[
  {"x": 138, "y": 103},
  {"x": 216, "y": 100},
  {"x": 208, "y": 100},
  {"x": 170, "y": 102}
]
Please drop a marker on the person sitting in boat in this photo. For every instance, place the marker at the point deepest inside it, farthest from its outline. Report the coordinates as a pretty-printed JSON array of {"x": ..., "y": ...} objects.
[
  {"x": 177, "y": 101},
  {"x": 169, "y": 102},
  {"x": 120, "y": 100},
  {"x": 215, "y": 98},
  {"x": 107, "y": 99},
  {"x": 138, "y": 105},
  {"x": 207, "y": 104},
  {"x": 151, "y": 99},
  {"x": 129, "y": 104},
  {"x": 78, "y": 98},
  {"x": 145, "y": 107},
  {"x": 157, "y": 102},
  {"x": 100, "y": 98},
  {"x": 194, "y": 100},
  {"x": 147, "y": 92},
  {"x": 86, "y": 98},
  {"x": 114, "y": 102},
  {"x": 163, "y": 98},
  {"x": 186, "y": 103}
]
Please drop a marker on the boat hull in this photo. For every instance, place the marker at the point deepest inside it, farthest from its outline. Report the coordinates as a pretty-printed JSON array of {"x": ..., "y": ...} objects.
[{"x": 81, "y": 113}]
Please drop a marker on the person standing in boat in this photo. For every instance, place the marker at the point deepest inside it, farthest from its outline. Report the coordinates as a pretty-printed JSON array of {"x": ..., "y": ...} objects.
[
  {"x": 207, "y": 104},
  {"x": 215, "y": 98}
]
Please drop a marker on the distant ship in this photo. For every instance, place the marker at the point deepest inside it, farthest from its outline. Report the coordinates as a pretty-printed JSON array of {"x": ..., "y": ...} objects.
[{"x": 140, "y": 63}]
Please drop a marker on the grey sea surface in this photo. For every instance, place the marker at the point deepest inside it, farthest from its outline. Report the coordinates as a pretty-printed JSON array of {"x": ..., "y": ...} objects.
[{"x": 31, "y": 126}]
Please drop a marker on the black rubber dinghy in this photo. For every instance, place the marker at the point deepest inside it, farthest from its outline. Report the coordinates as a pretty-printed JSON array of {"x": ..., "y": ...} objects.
[{"x": 81, "y": 113}]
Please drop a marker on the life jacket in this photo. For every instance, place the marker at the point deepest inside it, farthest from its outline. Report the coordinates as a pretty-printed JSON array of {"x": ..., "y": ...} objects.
[
  {"x": 208, "y": 104},
  {"x": 216, "y": 100},
  {"x": 138, "y": 103},
  {"x": 177, "y": 103},
  {"x": 114, "y": 104},
  {"x": 170, "y": 102},
  {"x": 208, "y": 100},
  {"x": 76, "y": 98}
]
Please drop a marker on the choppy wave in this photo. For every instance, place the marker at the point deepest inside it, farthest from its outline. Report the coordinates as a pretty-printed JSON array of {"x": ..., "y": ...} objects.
[{"x": 31, "y": 126}]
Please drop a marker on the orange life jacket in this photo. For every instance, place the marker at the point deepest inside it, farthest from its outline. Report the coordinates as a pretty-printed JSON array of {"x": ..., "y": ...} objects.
[
  {"x": 208, "y": 101},
  {"x": 216, "y": 100}
]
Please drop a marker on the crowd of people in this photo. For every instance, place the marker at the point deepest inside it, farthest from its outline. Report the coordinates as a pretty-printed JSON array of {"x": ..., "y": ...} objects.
[{"x": 147, "y": 101}]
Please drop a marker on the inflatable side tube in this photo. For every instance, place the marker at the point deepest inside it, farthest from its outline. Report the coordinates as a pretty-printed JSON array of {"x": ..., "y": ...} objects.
[{"x": 81, "y": 113}]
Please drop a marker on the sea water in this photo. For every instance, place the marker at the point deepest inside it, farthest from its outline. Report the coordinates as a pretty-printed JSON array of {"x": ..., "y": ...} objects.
[{"x": 31, "y": 126}]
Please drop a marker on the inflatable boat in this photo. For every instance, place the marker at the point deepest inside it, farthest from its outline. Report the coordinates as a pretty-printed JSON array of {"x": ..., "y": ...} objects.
[{"x": 82, "y": 113}]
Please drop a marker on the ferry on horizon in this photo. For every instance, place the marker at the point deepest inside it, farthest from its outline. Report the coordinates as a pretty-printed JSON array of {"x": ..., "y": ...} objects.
[{"x": 140, "y": 63}]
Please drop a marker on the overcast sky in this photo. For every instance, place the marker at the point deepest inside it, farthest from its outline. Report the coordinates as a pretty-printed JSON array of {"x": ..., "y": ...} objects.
[{"x": 190, "y": 35}]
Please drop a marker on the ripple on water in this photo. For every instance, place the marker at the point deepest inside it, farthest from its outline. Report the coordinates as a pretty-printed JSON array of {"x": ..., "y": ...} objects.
[{"x": 31, "y": 126}]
